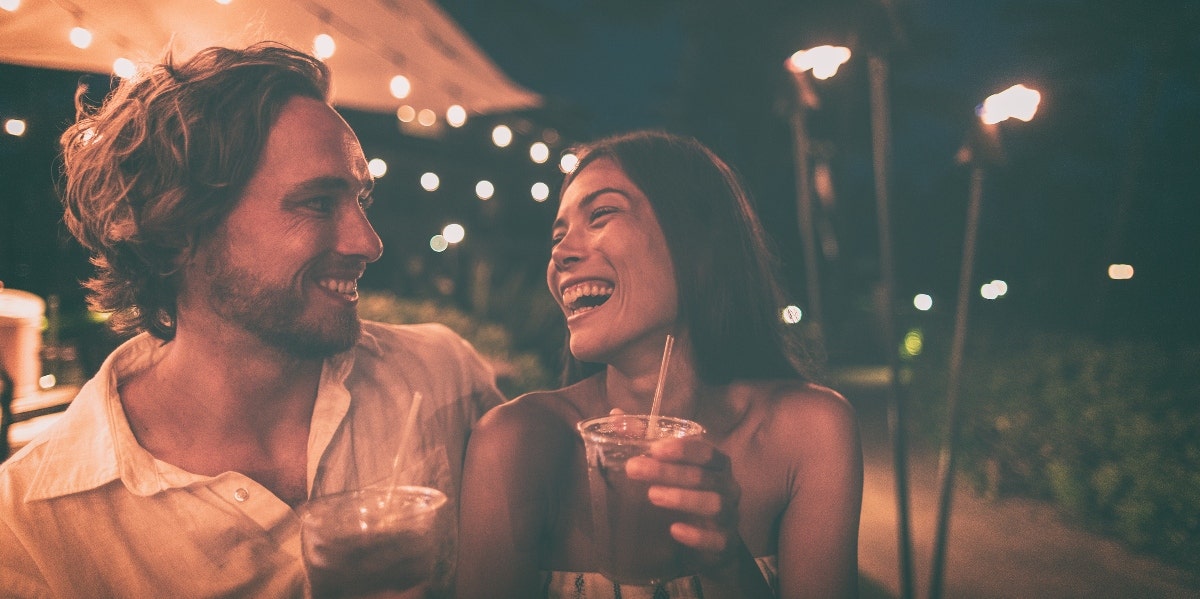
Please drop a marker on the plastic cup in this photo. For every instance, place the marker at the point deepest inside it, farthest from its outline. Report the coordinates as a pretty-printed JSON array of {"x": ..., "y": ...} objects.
[
  {"x": 21, "y": 315},
  {"x": 372, "y": 543},
  {"x": 631, "y": 535}
]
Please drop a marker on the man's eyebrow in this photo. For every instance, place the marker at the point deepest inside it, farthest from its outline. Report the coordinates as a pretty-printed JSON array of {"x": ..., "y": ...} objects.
[
  {"x": 588, "y": 199},
  {"x": 328, "y": 184}
]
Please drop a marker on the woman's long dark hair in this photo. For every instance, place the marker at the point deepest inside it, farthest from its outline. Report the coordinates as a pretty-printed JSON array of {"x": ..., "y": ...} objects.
[{"x": 726, "y": 272}]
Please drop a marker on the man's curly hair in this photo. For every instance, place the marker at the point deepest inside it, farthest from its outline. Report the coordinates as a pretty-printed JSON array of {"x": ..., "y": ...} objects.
[{"x": 161, "y": 163}]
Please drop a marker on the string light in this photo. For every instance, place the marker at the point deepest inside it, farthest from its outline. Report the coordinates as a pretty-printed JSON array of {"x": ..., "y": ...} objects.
[
  {"x": 456, "y": 116},
  {"x": 454, "y": 232},
  {"x": 540, "y": 191},
  {"x": 14, "y": 127},
  {"x": 539, "y": 152},
  {"x": 484, "y": 190},
  {"x": 502, "y": 136},
  {"x": 80, "y": 38},
  {"x": 400, "y": 87},
  {"x": 324, "y": 46},
  {"x": 124, "y": 68},
  {"x": 568, "y": 162},
  {"x": 377, "y": 167},
  {"x": 430, "y": 182}
]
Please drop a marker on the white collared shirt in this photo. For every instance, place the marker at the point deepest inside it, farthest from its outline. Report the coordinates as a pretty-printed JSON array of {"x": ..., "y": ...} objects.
[{"x": 87, "y": 512}]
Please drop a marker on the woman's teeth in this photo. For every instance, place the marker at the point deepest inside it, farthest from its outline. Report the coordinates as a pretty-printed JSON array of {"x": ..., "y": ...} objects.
[
  {"x": 586, "y": 296},
  {"x": 347, "y": 288}
]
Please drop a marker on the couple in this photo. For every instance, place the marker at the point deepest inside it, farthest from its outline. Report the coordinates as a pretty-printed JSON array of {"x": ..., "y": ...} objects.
[{"x": 224, "y": 203}]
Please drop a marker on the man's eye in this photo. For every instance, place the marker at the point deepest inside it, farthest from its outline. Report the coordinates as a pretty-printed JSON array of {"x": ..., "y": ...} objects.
[{"x": 321, "y": 203}]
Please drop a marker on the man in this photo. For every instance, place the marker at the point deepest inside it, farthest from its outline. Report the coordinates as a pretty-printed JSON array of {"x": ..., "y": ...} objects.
[{"x": 223, "y": 201}]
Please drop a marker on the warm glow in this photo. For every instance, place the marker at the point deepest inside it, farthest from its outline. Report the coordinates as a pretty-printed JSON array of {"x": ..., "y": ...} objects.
[
  {"x": 47, "y": 381},
  {"x": 502, "y": 136},
  {"x": 568, "y": 162},
  {"x": 456, "y": 116},
  {"x": 438, "y": 243},
  {"x": 400, "y": 87},
  {"x": 14, "y": 127},
  {"x": 1017, "y": 102},
  {"x": 1120, "y": 272},
  {"x": 539, "y": 152},
  {"x": 324, "y": 46},
  {"x": 540, "y": 191},
  {"x": 454, "y": 232},
  {"x": 80, "y": 37},
  {"x": 10, "y": 5},
  {"x": 484, "y": 189},
  {"x": 124, "y": 68},
  {"x": 792, "y": 314},
  {"x": 823, "y": 61},
  {"x": 1000, "y": 286},
  {"x": 913, "y": 343},
  {"x": 430, "y": 181},
  {"x": 427, "y": 117},
  {"x": 922, "y": 301},
  {"x": 406, "y": 113},
  {"x": 377, "y": 167}
]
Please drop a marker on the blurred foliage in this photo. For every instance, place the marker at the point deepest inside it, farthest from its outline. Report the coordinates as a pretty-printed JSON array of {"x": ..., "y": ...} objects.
[
  {"x": 1109, "y": 431},
  {"x": 516, "y": 371}
]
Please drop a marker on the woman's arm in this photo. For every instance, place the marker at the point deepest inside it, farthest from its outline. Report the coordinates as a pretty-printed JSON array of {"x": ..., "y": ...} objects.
[
  {"x": 512, "y": 460},
  {"x": 818, "y": 536}
]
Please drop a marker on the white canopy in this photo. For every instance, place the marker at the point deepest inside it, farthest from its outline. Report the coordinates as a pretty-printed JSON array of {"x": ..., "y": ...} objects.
[{"x": 375, "y": 41}]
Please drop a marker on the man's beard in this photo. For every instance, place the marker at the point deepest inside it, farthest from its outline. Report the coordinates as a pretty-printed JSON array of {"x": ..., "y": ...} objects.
[{"x": 275, "y": 314}]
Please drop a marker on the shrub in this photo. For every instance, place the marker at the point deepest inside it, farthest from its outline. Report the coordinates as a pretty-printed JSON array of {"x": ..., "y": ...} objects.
[
  {"x": 516, "y": 371},
  {"x": 1108, "y": 431}
]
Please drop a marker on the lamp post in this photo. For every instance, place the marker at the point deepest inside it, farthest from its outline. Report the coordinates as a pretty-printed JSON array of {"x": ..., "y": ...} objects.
[
  {"x": 823, "y": 62},
  {"x": 981, "y": 149}
]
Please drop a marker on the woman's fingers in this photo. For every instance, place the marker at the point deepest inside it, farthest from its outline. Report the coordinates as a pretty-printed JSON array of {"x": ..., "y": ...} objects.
[
  {"x": 700, "y": 539},
  {"x": 702, "y": 503}
]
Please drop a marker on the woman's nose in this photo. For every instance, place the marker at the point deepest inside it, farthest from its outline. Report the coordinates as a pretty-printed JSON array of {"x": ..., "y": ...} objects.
[{"x": 565, "y": 252}]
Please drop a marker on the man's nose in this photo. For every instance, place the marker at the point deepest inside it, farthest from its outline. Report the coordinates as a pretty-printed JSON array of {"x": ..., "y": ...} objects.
[{"x": 356, "y": 236}]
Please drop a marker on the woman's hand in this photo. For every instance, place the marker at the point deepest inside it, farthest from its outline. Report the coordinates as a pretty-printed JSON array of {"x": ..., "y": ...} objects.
[{"x": 692, "y": 476}]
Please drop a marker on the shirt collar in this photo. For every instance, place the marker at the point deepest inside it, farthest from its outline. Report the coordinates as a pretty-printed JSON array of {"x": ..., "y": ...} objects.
[{"x": 92, "y": 443}]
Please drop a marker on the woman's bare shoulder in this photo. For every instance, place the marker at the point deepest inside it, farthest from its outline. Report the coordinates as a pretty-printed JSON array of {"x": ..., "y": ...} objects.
[{"x": 789, "y": 407}]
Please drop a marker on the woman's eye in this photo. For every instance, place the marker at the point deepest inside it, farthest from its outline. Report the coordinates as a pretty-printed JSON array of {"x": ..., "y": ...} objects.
[{"x": 603, "y": 211}]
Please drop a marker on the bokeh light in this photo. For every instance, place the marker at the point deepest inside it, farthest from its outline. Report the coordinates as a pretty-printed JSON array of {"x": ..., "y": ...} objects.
[
  {"x": 540, "y": 191},
  {"x": 124, "y": 68},
  {"x": 438, "y": 243},
  {"x": 484, "y": 190},
  {"x": 324, "y": 46},
  {"x": 539, "y": 152},
  {"x": 914, "y": 341},
  {"x": 377, "y": 167},
  {"x": 14, "y": 127},
  {"x": 1120, "y": 272},
  {"x": 502, "y": 136},
  {"x": 400, "y": 87},
  {"x": 80, "y": 38},
  {"x": 792, "y": 314},
  {"x": 430, "y": 182},
  {"x": 10, "y": 5},
  {"x": 568, "y": 162},
  {"x": 427, "y": 117},
  {"x": 406, "y": 113},
  {"x": 456, "y": 116},
  {"x": 454, "y": 232},
  {"x": 922, "y": 301}
]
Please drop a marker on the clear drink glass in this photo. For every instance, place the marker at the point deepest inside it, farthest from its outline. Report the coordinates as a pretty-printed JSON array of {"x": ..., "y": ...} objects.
[
  {"x": 631, "y": 535},
  {"x": 376, "y": 542}
]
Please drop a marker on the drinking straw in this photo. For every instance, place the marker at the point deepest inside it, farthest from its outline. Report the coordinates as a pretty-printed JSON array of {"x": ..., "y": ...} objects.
[
  {"x": 652, "y": 424},
  {"x": 405, "y": 434}
]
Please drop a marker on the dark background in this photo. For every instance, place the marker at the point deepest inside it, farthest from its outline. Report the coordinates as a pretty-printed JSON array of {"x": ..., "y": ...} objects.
[{"x": 1103, "y": 174}]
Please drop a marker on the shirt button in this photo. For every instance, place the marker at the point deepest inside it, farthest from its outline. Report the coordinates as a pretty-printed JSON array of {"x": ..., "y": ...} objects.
[{"x": 241, "y": 495}]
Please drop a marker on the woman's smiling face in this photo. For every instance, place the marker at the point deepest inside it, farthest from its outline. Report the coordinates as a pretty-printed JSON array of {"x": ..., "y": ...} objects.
[{"x": 610, "y": 270}]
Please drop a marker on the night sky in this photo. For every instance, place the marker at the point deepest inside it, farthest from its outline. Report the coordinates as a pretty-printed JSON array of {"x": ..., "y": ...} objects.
[{"x": 1103, "y": 174}]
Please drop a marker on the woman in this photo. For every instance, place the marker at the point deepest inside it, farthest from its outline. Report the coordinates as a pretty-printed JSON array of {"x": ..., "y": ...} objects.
[{"x": 655, "y": 236}]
